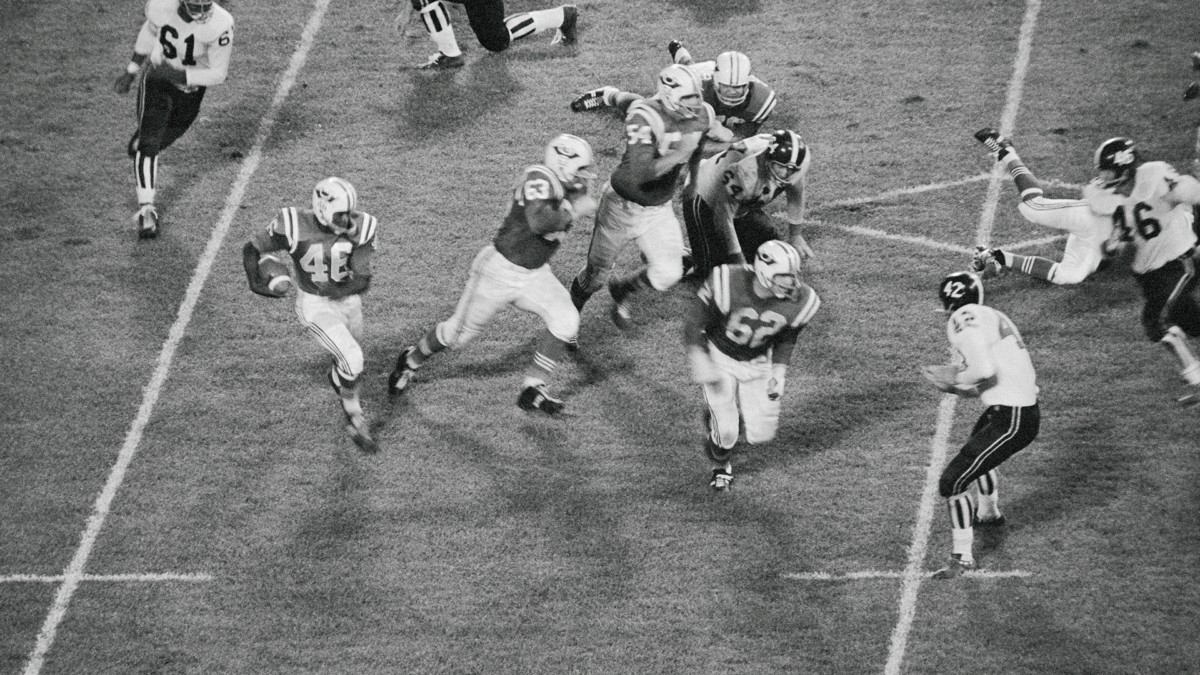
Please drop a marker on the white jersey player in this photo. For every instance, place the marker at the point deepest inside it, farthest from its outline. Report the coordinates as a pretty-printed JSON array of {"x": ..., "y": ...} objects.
[
  {"x": 1152, "y": 207},
  {"x": 1086, "y": 230},
  {"x": 991, "y": 362}
]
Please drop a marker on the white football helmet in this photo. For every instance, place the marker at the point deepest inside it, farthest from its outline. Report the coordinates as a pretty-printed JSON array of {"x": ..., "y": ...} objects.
[
  {"x": 679, "y": 90},
  {"x": 199, "y": 11},
  {"x": 570, "y": 157},
  {"x": 333, "y": 201},
  {"x": 731, "y": 78},
  {"x": 777, "y": 266}
]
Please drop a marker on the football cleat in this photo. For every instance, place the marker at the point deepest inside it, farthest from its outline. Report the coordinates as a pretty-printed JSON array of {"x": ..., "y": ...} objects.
[
  {"x": 440, "y": 61},
  {"x": 567, "y": 33},
  {"x": 402, "y": 374},
  {"x": 721, "y": 480},
  {"x": 147, "y": 221},
  {"x": 356, "y": 426},
  {"x": 619, "y": 311},
  {"x": 986, "y": 262},
  {"x": 1192, "y": 91},
  {"x": 536, "y": 398},
  {"x": 992, "y": 141},
  {"x": 994, "y": 521},
  {"x": 594, "y": 99},
  {"x": 954, "y": 568}
]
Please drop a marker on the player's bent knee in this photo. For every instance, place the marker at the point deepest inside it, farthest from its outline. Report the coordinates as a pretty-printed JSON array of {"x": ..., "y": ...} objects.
[
  {"x": 948, "y": 485},
  {"x": 662, "y": 278},
  {"x": 758, "y": 435},
  {"x": 496, "y": 44},
  {"x": 1071, "y": 275}
]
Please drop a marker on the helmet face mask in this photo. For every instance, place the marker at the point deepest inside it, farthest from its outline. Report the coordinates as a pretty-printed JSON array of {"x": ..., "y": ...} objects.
[
  {"x": 786, "y": 154},
  {"x": 679, "y": 90},
  {"x": 570, "y": 158},
  {"x": 731, "y": 78},
  {"x": 777, "y": 268},
  {"x": 333, "y": 203},
  {"x": 1116, "y": 161},
  {"x": 199, "y": 11},
  {"x": 960, "y": 288}
]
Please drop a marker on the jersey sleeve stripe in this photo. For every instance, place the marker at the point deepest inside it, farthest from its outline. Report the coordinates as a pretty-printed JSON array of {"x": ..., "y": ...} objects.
[
  {"x": 765, "y": 111},
  {"x": 811, "y": 304},
  {"x": 720, "y": 287},
  {"x": 653, "y": 119},
  {"x": 291, "y": 228},
  {"x": 368, "y": 229}
]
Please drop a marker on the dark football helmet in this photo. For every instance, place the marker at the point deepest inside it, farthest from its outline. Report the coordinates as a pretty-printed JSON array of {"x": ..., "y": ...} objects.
[
  {"x": 960, "y": 288},
  {"x": 1118, "y": 156},
  {"x": 787, "y": 154}
]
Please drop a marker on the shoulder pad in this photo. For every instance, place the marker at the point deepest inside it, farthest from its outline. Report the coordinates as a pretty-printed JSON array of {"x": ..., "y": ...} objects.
[
  {"x": 541, "y": 172},
  {"x": 1153, "y": 179},
  {"x": 809, "y": 303},
  {"x": 761, "y": 100},
  {"x": 650, "y": 116}
]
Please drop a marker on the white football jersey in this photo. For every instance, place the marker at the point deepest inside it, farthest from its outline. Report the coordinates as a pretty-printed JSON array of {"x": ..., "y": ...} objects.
[
  {"x": 990, "y": 346},
  {"x": 1156, "y": 216},
  {"x": 201, "y": 49}
]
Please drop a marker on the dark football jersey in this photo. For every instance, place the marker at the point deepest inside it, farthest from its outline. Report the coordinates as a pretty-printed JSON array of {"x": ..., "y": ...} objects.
[
  {"x": 322, "y": 258},
  {"x": 760, "y": 101},
  {"x": 516, "y": 239},
  {"x": 740, "y": 323},
  {"x": 652, "y": 132}
]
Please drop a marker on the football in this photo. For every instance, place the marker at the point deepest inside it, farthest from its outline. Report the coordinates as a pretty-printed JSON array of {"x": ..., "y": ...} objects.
[{"x": 276, "y": 274}]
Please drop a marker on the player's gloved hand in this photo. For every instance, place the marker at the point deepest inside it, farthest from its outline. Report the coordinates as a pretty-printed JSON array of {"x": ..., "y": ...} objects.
[
  {"x": 417, "y": 5},
  {"x": 124, "y": 81},
  {"x": 703, "y": 370},
  {"x": 775, "y": 384}
]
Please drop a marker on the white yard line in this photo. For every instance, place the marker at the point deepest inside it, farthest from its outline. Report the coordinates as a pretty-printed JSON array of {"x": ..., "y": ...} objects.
[
  {"x": 56, "y": 578},
  {"x": 914, "y": 573},
  {"x": 73, "y": 574}
]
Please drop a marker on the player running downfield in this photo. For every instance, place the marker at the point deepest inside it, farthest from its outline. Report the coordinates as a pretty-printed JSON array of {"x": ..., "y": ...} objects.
[
  {"x": 183, "y": 47},
  {"x": 740, "y": 331},
  {"x": 331, "y": 247},
  {"x": 514, "y": 270},
  {"x": 665, "y": 136}
]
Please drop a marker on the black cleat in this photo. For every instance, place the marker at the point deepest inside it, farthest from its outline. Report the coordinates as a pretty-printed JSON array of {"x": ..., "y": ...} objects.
[
  {"x": 147, "y": 221},
  {"x": 954, "y": 568},
  {"x": 536, "y": 398},
  {"x": 402, "y": 374},
  {"x": 992, "y": 141},
  {"x": 440, "y": 61}
]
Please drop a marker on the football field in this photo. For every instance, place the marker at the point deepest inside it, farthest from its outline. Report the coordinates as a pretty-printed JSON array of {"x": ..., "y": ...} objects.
[{"x": 180, "y": 496}]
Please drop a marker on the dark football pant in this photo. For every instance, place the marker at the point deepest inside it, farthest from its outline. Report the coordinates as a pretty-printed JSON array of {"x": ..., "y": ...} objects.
[
  {"x": 164, "y": 114},
  {"x": 714, "y": 244},
  {"x": 1000, "y": 433},
  {"x": 1170, "y": 298},
  {"x": 487, "y": 20}
]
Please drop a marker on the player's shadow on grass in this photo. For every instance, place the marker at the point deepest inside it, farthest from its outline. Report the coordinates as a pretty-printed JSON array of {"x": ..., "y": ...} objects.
[
  {"x": 446, "y": 100},
  {"x": 713, "y": 12}
]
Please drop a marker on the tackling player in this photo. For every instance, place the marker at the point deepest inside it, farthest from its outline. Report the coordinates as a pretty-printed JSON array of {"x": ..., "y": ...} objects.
[
  {"x": 741, "y": 101},
  {"x": 740, "y": 331},
  {"x": 990, "y": 362},
  {"x": 1151, "y": 206},
  {"x": 665, "y": 135},
  {"x": 182, "y": 49},
  {"x": 724, "y": 202},
  {"x": 514, "y": 271},
  {"x": 494, "y": 30},
  {"x": 1086, "y": 230},
  {"x": 331, "y": 247}
]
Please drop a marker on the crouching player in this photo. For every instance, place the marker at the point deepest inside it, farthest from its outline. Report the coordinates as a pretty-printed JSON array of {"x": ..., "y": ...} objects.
[{"x": 740, "y": 332}]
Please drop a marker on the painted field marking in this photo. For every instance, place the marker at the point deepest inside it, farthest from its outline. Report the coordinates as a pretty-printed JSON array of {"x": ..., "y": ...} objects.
[
  {"x": 914, "y": 572},
  {"x": 58, "y": 578},
  {"x": 885, "y": 574},
  {"x": 74, "y": 575}
]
